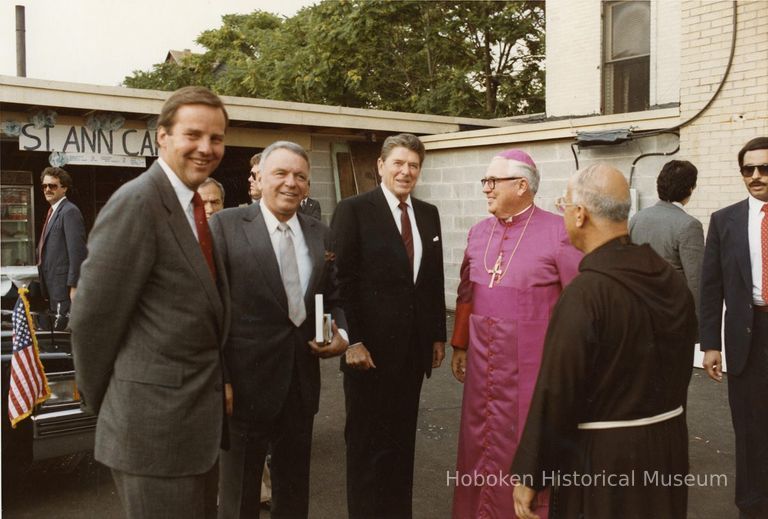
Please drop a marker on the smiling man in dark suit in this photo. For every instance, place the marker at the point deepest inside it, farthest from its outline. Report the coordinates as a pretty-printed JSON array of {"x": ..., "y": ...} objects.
[
  {"x": 390, "y": 261},
  {"x": 276, "y": 261},
  {"x": 735, "y": 272},
  {"x": 62, "y": 243},
  {"x": 150, "y": 318}
]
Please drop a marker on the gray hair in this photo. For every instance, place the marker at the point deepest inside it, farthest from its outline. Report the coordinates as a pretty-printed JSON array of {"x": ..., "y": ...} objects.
[
  {"x": 520, "y": 169},
  {"x": 586, "y": 191},
  {"x": 211, "y": 180},
  {"x": 284, "y": 145}
]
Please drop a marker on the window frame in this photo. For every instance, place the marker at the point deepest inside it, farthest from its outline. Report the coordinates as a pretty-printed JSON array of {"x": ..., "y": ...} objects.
[{"x": 607, "y": 99}]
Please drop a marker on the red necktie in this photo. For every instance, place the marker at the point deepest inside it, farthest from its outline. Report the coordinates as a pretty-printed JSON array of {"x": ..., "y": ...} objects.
[
  {"x": 204, "y": 233},
  {"x": 764, "y": 249},
  {"x": 406, "y": 231},
  {"x": 42, "y": 236}
]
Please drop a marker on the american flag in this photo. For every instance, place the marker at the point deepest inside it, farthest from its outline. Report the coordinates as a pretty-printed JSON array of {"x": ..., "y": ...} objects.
[{"x": 28, "y": 384}]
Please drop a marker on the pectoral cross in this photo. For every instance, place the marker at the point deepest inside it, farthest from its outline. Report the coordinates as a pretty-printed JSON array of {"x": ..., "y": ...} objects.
[{"x": 496, "y": 272}]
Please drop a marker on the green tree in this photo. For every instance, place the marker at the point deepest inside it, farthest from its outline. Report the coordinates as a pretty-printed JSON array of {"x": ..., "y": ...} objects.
[{"x": 480, "y": 58}]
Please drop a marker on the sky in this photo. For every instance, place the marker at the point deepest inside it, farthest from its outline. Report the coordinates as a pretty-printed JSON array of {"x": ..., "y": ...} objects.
[{"x": 101, "y": 41}]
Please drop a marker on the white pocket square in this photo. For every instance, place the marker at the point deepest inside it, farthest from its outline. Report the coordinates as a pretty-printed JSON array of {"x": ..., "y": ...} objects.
[{"x": 436, "y": 238}]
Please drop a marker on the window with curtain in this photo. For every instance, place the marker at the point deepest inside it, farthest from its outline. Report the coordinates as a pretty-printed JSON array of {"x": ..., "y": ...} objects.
[{"x": 626, "y": 60}]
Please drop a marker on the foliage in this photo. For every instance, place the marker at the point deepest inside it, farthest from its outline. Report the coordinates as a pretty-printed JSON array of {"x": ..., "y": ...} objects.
[{"x": 480, "y": 58}]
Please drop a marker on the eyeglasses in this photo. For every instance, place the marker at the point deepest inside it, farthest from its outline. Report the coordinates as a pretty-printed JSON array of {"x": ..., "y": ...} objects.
[
  {"x": 561, "y": 204},
  {"x": 491, "y": 182},
  {"x": 52, "y": 187},
  {"x": 747, "y": 170}
]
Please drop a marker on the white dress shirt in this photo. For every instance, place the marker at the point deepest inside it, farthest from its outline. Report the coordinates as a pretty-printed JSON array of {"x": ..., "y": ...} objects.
[
  {"x": 56, "y": 206},
  {"x": 303, "y": 259},
  {"x": 183, "y": 193},
  {"x": 755, "y": 220},
  {"x": 393, "y": 203}
]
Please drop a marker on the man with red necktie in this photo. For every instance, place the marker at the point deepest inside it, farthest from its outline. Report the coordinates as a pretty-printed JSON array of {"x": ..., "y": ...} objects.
[
  {"x": 61, "y": 250},
  {"x": 149, "y": 320},
  {"x": 735, "y": 272},
  {"x": 390, "y": 263}
]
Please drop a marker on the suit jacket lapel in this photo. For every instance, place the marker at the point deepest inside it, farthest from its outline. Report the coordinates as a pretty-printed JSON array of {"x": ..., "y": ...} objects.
[
  {"x": 740, "y": 228},
  {"x": 314, "y": 239},
  {"x": 177, "y": 221},
  {"x": 56, "y": 215},
  {"x": 426, "y": 234},
  {"x": 255, "y": 229},
  {"x": 387, "y": 226}
]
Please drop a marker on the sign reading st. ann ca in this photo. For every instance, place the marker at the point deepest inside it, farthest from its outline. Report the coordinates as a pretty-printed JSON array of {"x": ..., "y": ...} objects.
[{"x": 79, "y": 139}]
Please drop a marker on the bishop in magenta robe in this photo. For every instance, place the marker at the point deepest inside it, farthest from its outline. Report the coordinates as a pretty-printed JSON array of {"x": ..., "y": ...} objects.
[{"x": 515, "y": 266}]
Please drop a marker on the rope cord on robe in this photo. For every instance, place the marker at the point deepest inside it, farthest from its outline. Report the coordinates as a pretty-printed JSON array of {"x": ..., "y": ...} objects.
[{"x": 633, "y": 423}]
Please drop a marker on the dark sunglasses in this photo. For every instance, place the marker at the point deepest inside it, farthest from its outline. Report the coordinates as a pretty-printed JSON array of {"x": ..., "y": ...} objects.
[
  {"x": 749, "y": 170},
  {"x": 52, "y": 187}
]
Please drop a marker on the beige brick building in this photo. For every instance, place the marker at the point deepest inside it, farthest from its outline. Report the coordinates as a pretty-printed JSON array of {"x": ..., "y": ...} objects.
[{"x": 687, "y": 52}]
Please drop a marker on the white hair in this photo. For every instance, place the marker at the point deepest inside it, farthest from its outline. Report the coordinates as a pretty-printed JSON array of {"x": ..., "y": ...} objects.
[
  {"x": 585, "y": 191},
  {"x": 521, "y": 169}
]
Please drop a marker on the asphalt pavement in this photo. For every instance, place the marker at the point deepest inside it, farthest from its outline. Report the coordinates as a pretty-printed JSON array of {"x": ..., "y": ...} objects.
[{"x": 82, "y": 488}]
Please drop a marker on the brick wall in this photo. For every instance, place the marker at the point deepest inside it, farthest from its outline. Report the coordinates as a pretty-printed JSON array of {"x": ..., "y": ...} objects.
[
  {"x": 451, "y": 174},
  {"x": 574, "y": 56},
  {"x": 323, "y": 181},
  {"x": 739, "y": 113},
  {"x": 573, "y": 50},
  {"x": 451, "y": 180},
  {"x": 665, "y": 52}
]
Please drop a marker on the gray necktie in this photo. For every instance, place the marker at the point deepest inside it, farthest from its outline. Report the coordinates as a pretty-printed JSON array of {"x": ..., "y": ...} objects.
[{"x": 289, "y": 271}]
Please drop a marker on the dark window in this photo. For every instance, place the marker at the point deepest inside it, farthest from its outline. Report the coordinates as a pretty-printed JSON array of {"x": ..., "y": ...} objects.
[{"x": 626, "y": 63}]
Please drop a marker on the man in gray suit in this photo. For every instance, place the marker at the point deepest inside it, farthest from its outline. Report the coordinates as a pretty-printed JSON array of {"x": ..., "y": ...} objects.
[
  {"x": 149, "y": 320},
  {"x": 675, "y": 235},
  {"x": 62, "y": 243},
  {"x": 276, "y": 261}
]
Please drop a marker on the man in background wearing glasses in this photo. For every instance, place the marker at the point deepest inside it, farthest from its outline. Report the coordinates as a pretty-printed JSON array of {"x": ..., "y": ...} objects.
[
  {"x": 515, "y": 265},
  {"x": 61, "y": 249},
  {"x": 735, "y": 271}
]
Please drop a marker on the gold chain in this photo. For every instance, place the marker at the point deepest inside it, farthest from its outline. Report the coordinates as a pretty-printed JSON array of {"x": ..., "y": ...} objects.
[{"x": 496, "y": 274}]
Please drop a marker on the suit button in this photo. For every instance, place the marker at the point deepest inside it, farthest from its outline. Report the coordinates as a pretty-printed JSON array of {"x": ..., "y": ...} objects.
[
  {"x": 749, "y": 330},
  {"x": 217, "y": 386}
]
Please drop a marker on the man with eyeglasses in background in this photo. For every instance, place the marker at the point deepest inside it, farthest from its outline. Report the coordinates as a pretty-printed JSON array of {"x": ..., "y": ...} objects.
[
  {"x": 735, "y": 272},
  {"x": 515, "y": 265},
  {"x": 254, "y": 188},
  {"x": 62, "y": 248}
]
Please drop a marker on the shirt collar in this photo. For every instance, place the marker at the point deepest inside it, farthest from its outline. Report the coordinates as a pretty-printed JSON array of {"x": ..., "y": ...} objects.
[
  {"x": 57, "y": 204},
  {"x": 183, "y": 193},
  {"x": 678, "y": 204},
  {"x": 516, "y": 215},
  {"x": 272, "y": 222},
  {"x": 392, "y": 200},
  {"x": 755, "y": 205}
]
